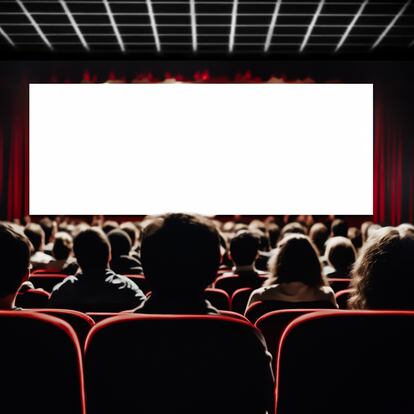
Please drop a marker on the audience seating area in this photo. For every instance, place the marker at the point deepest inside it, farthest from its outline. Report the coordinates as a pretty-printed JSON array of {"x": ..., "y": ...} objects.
[{"x": 218, "y": 336}]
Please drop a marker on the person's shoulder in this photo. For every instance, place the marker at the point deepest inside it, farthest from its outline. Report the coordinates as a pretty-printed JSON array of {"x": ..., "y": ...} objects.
[
  {"x": 66, "y": 283},
  {"x": 262, "y": 292},
  {"x": 122, "y": 282}
]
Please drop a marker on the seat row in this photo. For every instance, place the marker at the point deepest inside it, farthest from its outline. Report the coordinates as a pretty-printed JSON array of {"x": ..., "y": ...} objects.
[{"x": 352, "y": 361}]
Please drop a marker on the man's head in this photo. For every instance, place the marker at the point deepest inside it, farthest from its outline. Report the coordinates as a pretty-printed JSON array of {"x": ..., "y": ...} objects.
[
  {"x": 62, "y": 246},
  {"x": 92, "y": 250},
  {"x": 49, "y": 227},
  {"x": 180, "y": 252},
  {"x": 36, "y": 235},
  {"x": 120, "y": 243},
  {"x": 339, "y": 227},
  {"x": 14, "y": 259},
  {"x": 244, "y": 248}
]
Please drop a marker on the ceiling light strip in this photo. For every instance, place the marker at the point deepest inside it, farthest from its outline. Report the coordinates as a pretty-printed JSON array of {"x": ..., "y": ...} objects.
[
  {"x": 311, "y": 26},
  {"x": 35, "y": 25}
]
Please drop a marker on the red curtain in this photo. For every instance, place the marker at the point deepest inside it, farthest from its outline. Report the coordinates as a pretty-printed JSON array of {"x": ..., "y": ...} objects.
[{"x": 393, "y": 194}]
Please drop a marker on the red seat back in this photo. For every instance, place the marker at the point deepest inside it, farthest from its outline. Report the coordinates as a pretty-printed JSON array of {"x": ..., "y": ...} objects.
[
  {"x": 187, "y": 364},
  {"x": 342, "y": 298},
  {"x": 218, "y": 298},
  {"x": 41, "y": 364},
  {"x": 338, "y": 284},
  {"x": 32, "y": 298},
  {"x": 231, "y": 283},
  {"x": 239, "y": 299},
  {"x": 258, "y": 309},
  {"x": 273, "y": 324},
  {"x": 347, "y": 362},
  {"x": 80, "y": 322},
  {"x": 46, "y": 281}
]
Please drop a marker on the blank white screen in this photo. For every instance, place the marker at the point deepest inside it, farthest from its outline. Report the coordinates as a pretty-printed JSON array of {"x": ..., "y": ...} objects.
[{"x": 206, "y": 148}]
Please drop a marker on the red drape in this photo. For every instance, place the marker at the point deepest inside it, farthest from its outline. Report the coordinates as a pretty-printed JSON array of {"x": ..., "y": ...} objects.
[{"x": 393, "y": 186}]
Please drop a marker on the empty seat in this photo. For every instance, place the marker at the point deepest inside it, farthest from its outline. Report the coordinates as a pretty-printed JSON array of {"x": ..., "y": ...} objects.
[
  {"x": 258, "y": 309},
  {"x": 46, "y": 281},
  {"x": 239, "y": 299},
  {"x": 176, "y": 364},
  {"x": 41, "y": 365},
  {"x": 347, "y": 362},
  {"x": 338, "y": 284},
  {"x": 218, "y": 298},
  {"x": 273, "y": 324},
  {"x": 80, "y": 322},
  {"x": 231, "y": 283},
  {"x": 342, "y": 298}
]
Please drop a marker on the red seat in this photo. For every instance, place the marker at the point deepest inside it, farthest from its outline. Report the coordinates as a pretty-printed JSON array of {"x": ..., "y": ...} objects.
[
  {"x": 188, "y": 364},
  {"x": 338, "y": 284},
  {"x": 347, "y": 362},
  {"x": 231, "y": 283},
  {"x": 239, "y": 299},
  {"x": 80, "y": 322},
  {"x": 46, "y": 281},
  {"x": 273, "y": 324},
  {"x": 342, "y": 298},
  {"x": 41, "y": 365},
  {"x": 258, "y": 309},
  {"x": 46, "y": 272},
  {"x": 218, "y": 298},
  {"x": 32, "y": 298}
]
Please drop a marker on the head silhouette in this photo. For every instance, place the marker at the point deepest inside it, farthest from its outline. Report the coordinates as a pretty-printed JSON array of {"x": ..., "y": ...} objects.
[
  {"x": 296, "y": 260},
  {"x": 244, "y": 248},
  {"x": 92, "y": 250},
  {"x": 180, "y": 253},
  {"x": 14, "y": 259},
  {"x": 341, "y": 253},
  {"x": 383, "y": 273}
]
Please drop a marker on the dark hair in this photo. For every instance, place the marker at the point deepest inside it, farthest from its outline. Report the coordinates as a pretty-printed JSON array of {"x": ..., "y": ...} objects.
[
  {"x": 341, "y": 253},
  {"x": 62, "y": 246},
  {"x": 92, "y": 249},
  {"x": 244, "y": 248},
  {"x": 296, "y": 260},
  {"x": 383, "y": 273},
  {"x": 339, "y": 227},
  {"x": 319, "y": 233},
  {"x": 14, "y": 258},
  {"x": 354, "y": 234},
  {"x": 120, "y": 242},
  {"x": 132, "y": 231},
  {"x": 49, "y": 228},
  {"x": 180, "y": 252},
  {"x": 274, "y": 233},
  {"x": 364, "y": 230},
  {"x": 36, "y": 235},
  {"x": 293, "y": 227},
  {"x": 109, "y": 225}
]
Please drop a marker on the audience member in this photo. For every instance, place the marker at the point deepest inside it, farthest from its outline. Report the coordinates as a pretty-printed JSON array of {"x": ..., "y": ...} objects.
[
  {"x": 292, "y": 227},
  {"x": 49, "y": 227},
  {"x": 122, "y": 261},
  {"x": 96, "y": 287},
  {"x": 15, "y": 263},
  {"x": 339, "y": 227},
  {"x": 354, "y": 234},
  {"x": 244, "y": 251},
  {"x": 296, "y": 274},
  {"x": 319, "y": 233},
  {"x": 274, "y": 234},
  {"x": 39, "y": 259},
  {"x": 341, "y": 255},
  {"x": 383, "y": 273},
  {"x": 180, "y": 255},
  {"x": 63, "y": 253}
]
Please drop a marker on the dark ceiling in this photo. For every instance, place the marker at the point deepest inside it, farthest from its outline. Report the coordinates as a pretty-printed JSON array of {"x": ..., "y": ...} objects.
[{"x": 207, "y": 29}]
